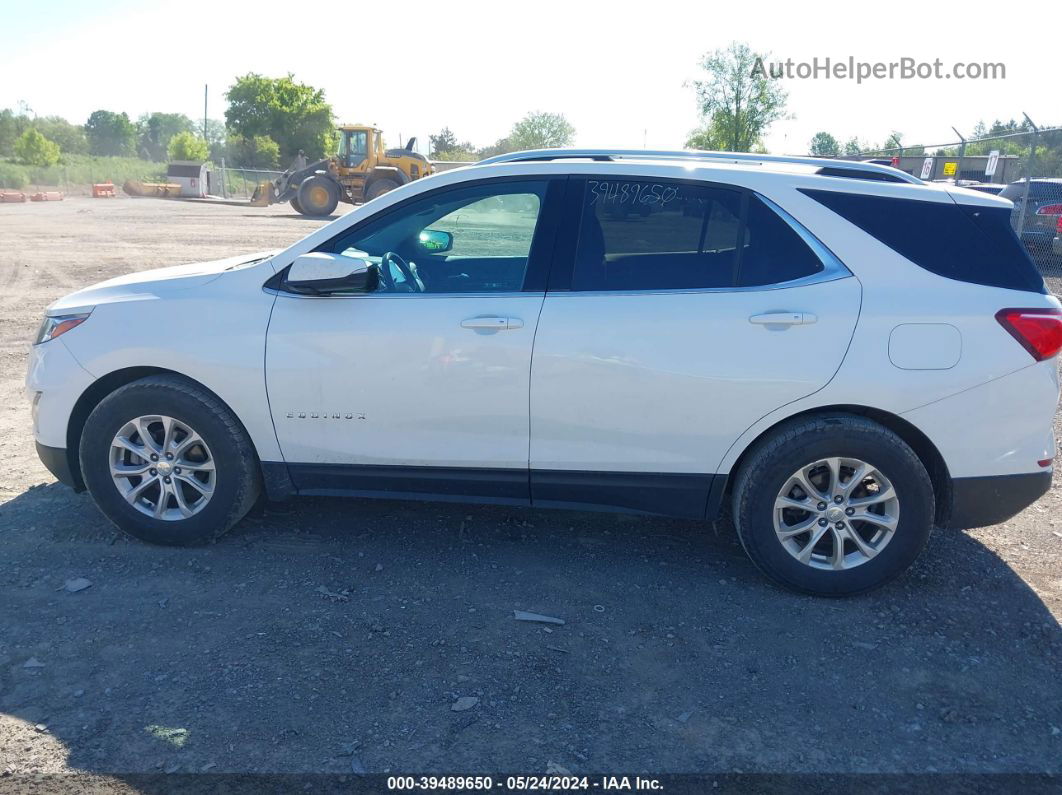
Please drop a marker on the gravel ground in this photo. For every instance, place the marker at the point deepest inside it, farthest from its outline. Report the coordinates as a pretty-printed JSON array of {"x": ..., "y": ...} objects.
[{"x": 335, "y": 634}]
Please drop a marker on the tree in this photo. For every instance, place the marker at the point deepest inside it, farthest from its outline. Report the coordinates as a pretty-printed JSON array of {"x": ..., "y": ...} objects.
[
  {"x": 443, "y": 142},
  {"x": 70, "y": 137},
  {"x": 294, "y": 115},
  {"x": 707, "y": 137},
  {"x": 536, "y": 130},
  {"x": 540, "y": 130},
  {"x": 216, "y": 137},
  {"x": 34, "y": 149},
  {"x": 852, "y": 146},
  {"x": 737, "y": 98},
  {"x": 261, "y": 151},
  {"x": 187, "y": 146},
  {"x": 156, "y": 130},
  {"x": 824, "y": 145},
  {"x": 8, "y": 132},
  {"x": 110, "y": 134},
  {"x": 445, "y": 146}
]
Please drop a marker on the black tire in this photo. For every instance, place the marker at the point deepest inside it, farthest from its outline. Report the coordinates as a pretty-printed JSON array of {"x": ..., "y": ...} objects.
[
  {"x": 802, "y": 442},
  {"x": 295, "y": 205},
  {"x": 237, "y": 479},
  {"x": 317, "y": 196},
  {"x": 379, "y": 188}
]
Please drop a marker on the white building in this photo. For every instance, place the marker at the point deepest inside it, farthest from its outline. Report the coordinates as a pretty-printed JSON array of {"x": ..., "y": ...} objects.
[{"x": 194, "y": 178}]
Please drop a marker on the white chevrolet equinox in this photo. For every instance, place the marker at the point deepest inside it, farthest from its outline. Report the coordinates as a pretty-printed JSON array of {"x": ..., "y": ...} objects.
[{"x": 835, "y": 354}]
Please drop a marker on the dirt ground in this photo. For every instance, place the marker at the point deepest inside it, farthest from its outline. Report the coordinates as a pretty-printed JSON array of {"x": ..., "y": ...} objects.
[{"x": 338, "y": 635}]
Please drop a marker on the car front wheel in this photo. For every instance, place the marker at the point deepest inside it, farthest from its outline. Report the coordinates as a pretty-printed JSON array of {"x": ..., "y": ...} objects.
[
  {"x": 833, "y": 505},
  {"x": 167, "y": 462}
]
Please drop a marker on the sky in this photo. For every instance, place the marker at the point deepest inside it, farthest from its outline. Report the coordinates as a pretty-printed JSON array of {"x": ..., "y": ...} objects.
[{"x": 619, "y": 71}]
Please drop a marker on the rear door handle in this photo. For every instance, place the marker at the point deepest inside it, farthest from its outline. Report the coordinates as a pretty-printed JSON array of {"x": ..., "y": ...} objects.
[
  {"x": 783, "y": 319},
  {"x": 493, "y": 322}
]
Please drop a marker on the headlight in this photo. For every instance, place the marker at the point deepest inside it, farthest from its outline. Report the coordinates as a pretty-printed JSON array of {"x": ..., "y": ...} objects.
[{"x": 54, "y": 326}]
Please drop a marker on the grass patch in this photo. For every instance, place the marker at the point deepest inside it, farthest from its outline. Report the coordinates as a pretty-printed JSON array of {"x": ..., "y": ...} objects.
[{"x": 80, "y": 170}]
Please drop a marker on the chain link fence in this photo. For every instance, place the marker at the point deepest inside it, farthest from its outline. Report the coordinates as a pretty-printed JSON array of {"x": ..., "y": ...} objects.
[
  {"x": 239, "y": 183},
  {"x": 1023, "y": 164}
]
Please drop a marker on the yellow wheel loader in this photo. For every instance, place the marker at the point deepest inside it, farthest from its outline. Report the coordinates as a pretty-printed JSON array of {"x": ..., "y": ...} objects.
[{"x": 360, "y": 170}]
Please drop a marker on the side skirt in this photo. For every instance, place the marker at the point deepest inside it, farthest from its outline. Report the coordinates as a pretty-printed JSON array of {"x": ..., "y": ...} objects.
[{"x": 663, "y": 494}]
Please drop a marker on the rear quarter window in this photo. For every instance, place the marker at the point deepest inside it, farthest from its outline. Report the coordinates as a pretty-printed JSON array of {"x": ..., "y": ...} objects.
[{"x": 967, "y": 243}]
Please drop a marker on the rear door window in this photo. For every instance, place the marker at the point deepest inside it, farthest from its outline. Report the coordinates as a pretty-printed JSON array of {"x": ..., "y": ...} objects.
[
  {"x": 639, "y": 235},
  {"x": 649, "y": 235}
]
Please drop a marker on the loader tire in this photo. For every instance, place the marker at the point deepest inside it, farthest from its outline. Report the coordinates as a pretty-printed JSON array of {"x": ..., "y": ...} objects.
[
  {"x": 379, "y": 188},
  {"x": 318, "y": 196}
]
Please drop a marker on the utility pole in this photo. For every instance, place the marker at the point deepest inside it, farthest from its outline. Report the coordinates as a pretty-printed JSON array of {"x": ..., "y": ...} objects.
[{"x": 206, "y": 89}]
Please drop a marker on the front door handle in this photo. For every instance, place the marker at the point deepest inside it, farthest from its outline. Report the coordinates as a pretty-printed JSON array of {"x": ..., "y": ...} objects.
[
  {"x": 492, "y": 323},
  {"x": 783, "y": 319}
]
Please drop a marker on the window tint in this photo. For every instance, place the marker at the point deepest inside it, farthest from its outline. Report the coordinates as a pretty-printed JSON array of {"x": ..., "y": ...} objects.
[
  {"x": 491, "y": 226},
  {"x": 645, "y": 235},
  {"x": 963, "y": 242},
  {"x": 774, "y": 253}
]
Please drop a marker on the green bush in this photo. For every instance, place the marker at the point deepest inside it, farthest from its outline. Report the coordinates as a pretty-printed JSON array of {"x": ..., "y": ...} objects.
[
  {"x": 12, "y": 176},
  {"x": 186, "y": 146},
  {"x": 34, "y": 149}
]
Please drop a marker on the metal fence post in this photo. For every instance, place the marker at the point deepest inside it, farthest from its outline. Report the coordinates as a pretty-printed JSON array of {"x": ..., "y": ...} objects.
[
  {"x": 224, "y": 187},
  {"x": 1028, "y": 176},
  {"x": 962, "y": 154}
]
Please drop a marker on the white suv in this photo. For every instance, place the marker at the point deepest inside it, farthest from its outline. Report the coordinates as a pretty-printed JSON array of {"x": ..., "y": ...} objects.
[{"x": 836, "y": 353}]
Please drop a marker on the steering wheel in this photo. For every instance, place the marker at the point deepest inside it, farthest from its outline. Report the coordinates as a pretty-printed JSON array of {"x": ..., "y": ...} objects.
[{"x": 412, "y": 279}]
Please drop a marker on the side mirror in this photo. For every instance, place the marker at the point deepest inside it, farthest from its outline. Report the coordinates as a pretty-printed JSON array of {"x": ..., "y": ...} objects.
[
  {"x": 436, "y": 241},
  {"x": 321, "y": 273}
]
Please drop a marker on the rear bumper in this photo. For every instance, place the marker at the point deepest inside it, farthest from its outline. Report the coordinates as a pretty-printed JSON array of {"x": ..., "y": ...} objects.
[
  {"x": 1056, "y": 246},
  {"x": 984, "y": 501},
  {"x": 58, "y": 463}
]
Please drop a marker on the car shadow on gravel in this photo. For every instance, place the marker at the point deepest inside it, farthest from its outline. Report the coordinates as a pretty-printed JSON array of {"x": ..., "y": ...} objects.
[{"x": 343, "y": 635}]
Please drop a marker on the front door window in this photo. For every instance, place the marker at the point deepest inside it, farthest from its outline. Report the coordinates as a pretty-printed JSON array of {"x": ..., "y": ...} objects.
[{"x": 468, "y": 240}]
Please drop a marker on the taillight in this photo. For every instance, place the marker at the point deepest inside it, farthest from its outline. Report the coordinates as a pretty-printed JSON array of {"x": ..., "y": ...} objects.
[
  {"x": 1038, "y": 330},
  {"x": 1058, "y": 227},
  {"x": 1050, "y": 209}
]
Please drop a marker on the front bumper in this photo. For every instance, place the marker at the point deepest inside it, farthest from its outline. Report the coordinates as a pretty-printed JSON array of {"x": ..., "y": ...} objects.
[
  {"x": 58, "y": 463},
  {"x": 984, "y": 501}
]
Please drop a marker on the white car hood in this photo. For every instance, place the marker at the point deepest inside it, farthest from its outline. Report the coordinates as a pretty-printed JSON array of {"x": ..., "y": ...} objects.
[{"x": 151, "y": 284}]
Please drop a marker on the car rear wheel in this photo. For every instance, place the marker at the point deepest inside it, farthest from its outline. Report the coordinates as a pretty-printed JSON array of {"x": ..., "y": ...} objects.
[
  {"x": 168, "y": 463},
  {"x": 833, "y": 505}
]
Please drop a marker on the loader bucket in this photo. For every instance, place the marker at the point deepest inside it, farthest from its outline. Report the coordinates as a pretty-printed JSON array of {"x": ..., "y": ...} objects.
[{"x": 263, "y": 195}]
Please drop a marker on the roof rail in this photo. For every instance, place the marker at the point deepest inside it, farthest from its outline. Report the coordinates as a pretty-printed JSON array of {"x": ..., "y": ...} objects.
[{"x": 881, "y": 172}]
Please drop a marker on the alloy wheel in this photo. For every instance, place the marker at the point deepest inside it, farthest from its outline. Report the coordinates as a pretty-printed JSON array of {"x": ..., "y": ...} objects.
[
  {"x": 836, "y": 513},
  {"x": 162, "y": 467}
]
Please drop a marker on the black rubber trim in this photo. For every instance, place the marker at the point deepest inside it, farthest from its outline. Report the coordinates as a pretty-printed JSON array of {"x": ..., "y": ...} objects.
[
  {"x": 980, "y": 502},
  {"x": 508, "y": 486},
  {"x": 58, "y": 463},
  {"x": 665, "y": 494}
]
